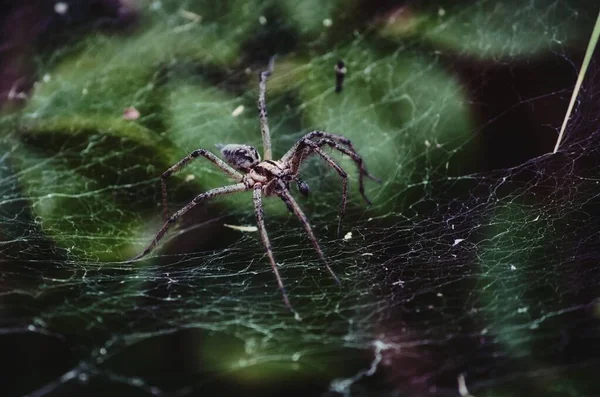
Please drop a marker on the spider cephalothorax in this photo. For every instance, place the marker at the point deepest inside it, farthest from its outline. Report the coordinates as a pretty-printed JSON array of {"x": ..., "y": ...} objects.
[{"x": 269, "y": 178}]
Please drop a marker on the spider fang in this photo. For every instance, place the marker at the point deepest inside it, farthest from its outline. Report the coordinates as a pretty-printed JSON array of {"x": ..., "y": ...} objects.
[{"x": 303, "y": 187}]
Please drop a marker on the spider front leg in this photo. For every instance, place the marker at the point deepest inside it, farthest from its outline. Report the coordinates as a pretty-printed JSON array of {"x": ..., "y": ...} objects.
[
  {"x": 195, "y": 154},
  {"x": 362, "y": 171},
  {"x": 301, "y": 145},
  {"x": 293, "y": 205},
  {"x": 262, "y": 109},
  {"x": 260, "y": 221},
  {"x": 220, "y": 191},
  {"x": 317, "y": 134},
  {"x": 314, "y": 147}
]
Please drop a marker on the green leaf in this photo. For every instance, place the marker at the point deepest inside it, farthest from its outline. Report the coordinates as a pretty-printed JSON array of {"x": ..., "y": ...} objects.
[
  {"x": 89, "y": 182},
  {"x": 494, "y": 30}
]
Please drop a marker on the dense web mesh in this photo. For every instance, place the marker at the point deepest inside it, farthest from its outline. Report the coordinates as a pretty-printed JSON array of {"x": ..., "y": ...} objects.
[{"x": 477, "y": 262}]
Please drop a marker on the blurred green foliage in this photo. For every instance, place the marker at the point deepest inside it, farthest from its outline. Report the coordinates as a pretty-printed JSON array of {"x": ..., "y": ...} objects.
[{"x": 91, "y": 177}]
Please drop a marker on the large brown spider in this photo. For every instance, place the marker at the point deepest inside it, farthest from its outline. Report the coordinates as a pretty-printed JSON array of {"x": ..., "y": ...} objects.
[{"x": 268, "y": 177}]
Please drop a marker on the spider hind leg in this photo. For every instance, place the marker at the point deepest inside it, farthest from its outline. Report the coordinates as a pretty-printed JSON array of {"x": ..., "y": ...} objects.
[
  {"x": 260, "y": 222},
  {"x": 290, "y": 202},
  {"x": 219, "y": 191}
]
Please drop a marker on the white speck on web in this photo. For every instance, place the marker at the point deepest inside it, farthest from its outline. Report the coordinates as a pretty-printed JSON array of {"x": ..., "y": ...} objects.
[
  {"x": 348, "y": 236},
  {"x": 327, "y": 22},
  {"x": 190, "y": 16},
  {"x": 458, "y": 241},
  {"x": 262, "y": 20},
  {"x": 61, "y": 7},
  {"x": 190, "y": 177}
]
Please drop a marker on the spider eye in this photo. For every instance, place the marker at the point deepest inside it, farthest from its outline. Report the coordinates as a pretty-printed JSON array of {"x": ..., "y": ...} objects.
[{"x": 303, "y": 187}]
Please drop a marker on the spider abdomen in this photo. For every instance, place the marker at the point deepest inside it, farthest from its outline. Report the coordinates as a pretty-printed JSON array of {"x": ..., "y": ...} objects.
[{"x": 241, "y": 157}]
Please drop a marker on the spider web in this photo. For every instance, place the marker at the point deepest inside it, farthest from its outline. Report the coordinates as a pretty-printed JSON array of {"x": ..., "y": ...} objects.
[{"x": 477, "y": 263}]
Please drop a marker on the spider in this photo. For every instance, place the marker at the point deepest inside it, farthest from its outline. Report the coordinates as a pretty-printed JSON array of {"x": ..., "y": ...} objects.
[{"x": 268, "y": 178}]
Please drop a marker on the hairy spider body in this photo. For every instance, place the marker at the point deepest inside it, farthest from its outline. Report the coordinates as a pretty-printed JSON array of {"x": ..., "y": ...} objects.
[{"x": 268, "y": 177}]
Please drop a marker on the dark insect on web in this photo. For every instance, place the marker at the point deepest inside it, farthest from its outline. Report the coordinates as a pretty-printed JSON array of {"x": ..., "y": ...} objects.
[
  {"x": 340, "y": 74},
  {"x": 269, "y": 178}
]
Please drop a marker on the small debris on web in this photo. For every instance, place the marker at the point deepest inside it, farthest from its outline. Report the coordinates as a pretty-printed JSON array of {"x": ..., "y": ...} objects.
[
  {"x": 327, "y": 22},
  {"x": 131, "y": 113},
  {"x": 462, "y": 387},
  {"x": 262, "y": 20},
  {"x": 237, "y": 111},
  {"x": 190, "y": 16},
  {"x": 348, "y": 236},
  {"x": 14, "y": 94},
  {"x": 340, "y": 74},
  {"x": 242, "y": 228},
  {"x": 190, "y": 177}
]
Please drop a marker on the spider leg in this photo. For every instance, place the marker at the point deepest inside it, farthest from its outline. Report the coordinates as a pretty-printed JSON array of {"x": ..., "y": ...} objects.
[
  {"x": 300, "y": 145},
  {"x": 303, "y": 148},
  {"x": 314, "y": 146},
  {"x": 238, "y": 187},
  {"x": 317, "y": 134},
  {"x": 359, "y": 163},
  {"x": 198, "y": 152},
  {"x": 262, "y": 109},
  {"x": 260, "y": 221},
  {"x": 289, "y": 200}
]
